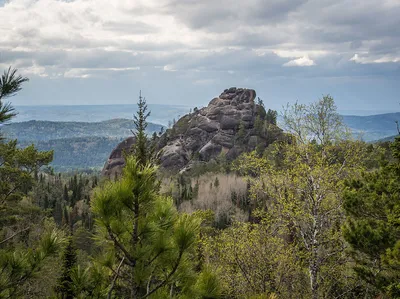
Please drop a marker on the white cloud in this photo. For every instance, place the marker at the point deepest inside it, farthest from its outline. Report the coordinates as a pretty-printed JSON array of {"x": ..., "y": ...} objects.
[
  {"x": 36, "y": 70},
  {"x": 369, "y": 60},
  {"x": 169, "y": 68},
  {"x": 302, "y": 61},
  {"x": 92, "y": 72},
  {"x": 299, "y": 53}
]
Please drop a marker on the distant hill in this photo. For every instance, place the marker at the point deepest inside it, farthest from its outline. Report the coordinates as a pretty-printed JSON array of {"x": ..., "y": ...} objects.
[
  {"x": 386, "y": 139},
  {"x": 76, "y": 145},
  {"x": 160, "y": 114},
  {"x": 373, "y": 127},
  {"x": 48, "y": 130},
  {"x": 78, "y": 152}
]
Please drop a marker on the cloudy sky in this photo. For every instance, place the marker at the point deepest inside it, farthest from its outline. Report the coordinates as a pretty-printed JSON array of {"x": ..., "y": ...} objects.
[{"x": 188, "y": 51}]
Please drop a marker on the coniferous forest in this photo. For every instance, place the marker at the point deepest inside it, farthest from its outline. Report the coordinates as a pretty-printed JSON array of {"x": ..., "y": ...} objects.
[{"x": 309, "y": 212}]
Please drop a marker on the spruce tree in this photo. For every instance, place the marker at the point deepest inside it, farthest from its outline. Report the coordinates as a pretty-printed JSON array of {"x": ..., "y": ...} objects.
[
  {"x": 141, "y": 148},
  {"x": 64, "y": 286},
  {"x": 65, "y": 195}
]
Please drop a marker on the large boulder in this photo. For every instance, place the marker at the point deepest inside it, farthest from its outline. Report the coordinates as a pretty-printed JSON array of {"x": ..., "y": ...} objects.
[{"x": 205, "y": 133}]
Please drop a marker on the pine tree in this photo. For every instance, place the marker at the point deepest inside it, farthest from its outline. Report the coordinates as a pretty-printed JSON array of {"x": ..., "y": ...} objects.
[
  {"x": 372, "y": 228},
  {"x": 10, "y": 84},
  {"x": 22, "y": 256},
  {"x": 149, "y": 244}
]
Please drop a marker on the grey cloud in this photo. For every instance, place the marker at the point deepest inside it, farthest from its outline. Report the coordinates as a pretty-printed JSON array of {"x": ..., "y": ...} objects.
[
  {"x": 228, "y": 37},
  {"x": 227, "y": 15}
]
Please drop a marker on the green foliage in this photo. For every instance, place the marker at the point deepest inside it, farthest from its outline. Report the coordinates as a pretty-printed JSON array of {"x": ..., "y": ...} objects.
[
  {"x": 10, "y": 84},
  {"x": 241, "y": 134},
  {"x": 318, "y": 122},
  {"x": 299, "y": 185},
  {"x": 271, "y": 117},
  {"x": 261, "y": 109},
  {"x": 17, "y": 167},
  {"x": 258, "y": 125},
  {"x": 64, "y": 286},
  {"x": 144, "y": 230},
  {"x": 252, "y": 260},
  {"x": 372, "y": 228},
  {"x": 20, "y": 265},
  {"x": 140, "y": 148},
  {"x": 295, "y": 245},
  {"x": 208, "y": 285}
]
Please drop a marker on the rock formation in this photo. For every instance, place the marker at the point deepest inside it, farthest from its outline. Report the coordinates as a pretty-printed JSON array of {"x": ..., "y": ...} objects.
[{"x": 231, "y": 124}]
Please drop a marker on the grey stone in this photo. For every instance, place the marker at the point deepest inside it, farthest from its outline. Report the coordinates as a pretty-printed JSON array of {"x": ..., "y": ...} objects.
[
  {"x": 228, "y": 122},
  {"x": 206, "y": 132}
]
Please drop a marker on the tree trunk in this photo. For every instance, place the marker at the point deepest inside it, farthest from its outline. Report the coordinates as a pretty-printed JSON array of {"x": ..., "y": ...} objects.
[{"x": 314, "y": 279}]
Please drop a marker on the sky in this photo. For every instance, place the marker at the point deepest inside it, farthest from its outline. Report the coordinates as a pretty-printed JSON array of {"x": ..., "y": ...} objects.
[{"x": 186, "y": 52}]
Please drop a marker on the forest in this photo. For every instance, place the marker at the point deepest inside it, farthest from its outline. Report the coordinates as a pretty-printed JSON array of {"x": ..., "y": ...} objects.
[{"x": 315, "y": 214}]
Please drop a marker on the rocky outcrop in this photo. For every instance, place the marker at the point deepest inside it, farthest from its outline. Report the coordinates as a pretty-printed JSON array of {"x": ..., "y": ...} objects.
[
  {"x": 231, "y": 124},
  {"x": 116, "y": 161}
]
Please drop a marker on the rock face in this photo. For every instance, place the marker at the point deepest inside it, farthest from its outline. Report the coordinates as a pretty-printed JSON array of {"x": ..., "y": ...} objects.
[
  {"x": 116, "y": 161},
  {"x": 231, "y": 124}
]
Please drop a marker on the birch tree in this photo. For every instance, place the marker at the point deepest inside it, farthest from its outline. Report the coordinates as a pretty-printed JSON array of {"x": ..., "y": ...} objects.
[{"x": 304, "y": 188}]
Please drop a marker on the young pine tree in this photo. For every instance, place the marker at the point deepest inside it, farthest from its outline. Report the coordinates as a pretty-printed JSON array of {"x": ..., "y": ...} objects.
[{"x": 148, "y": 245}]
